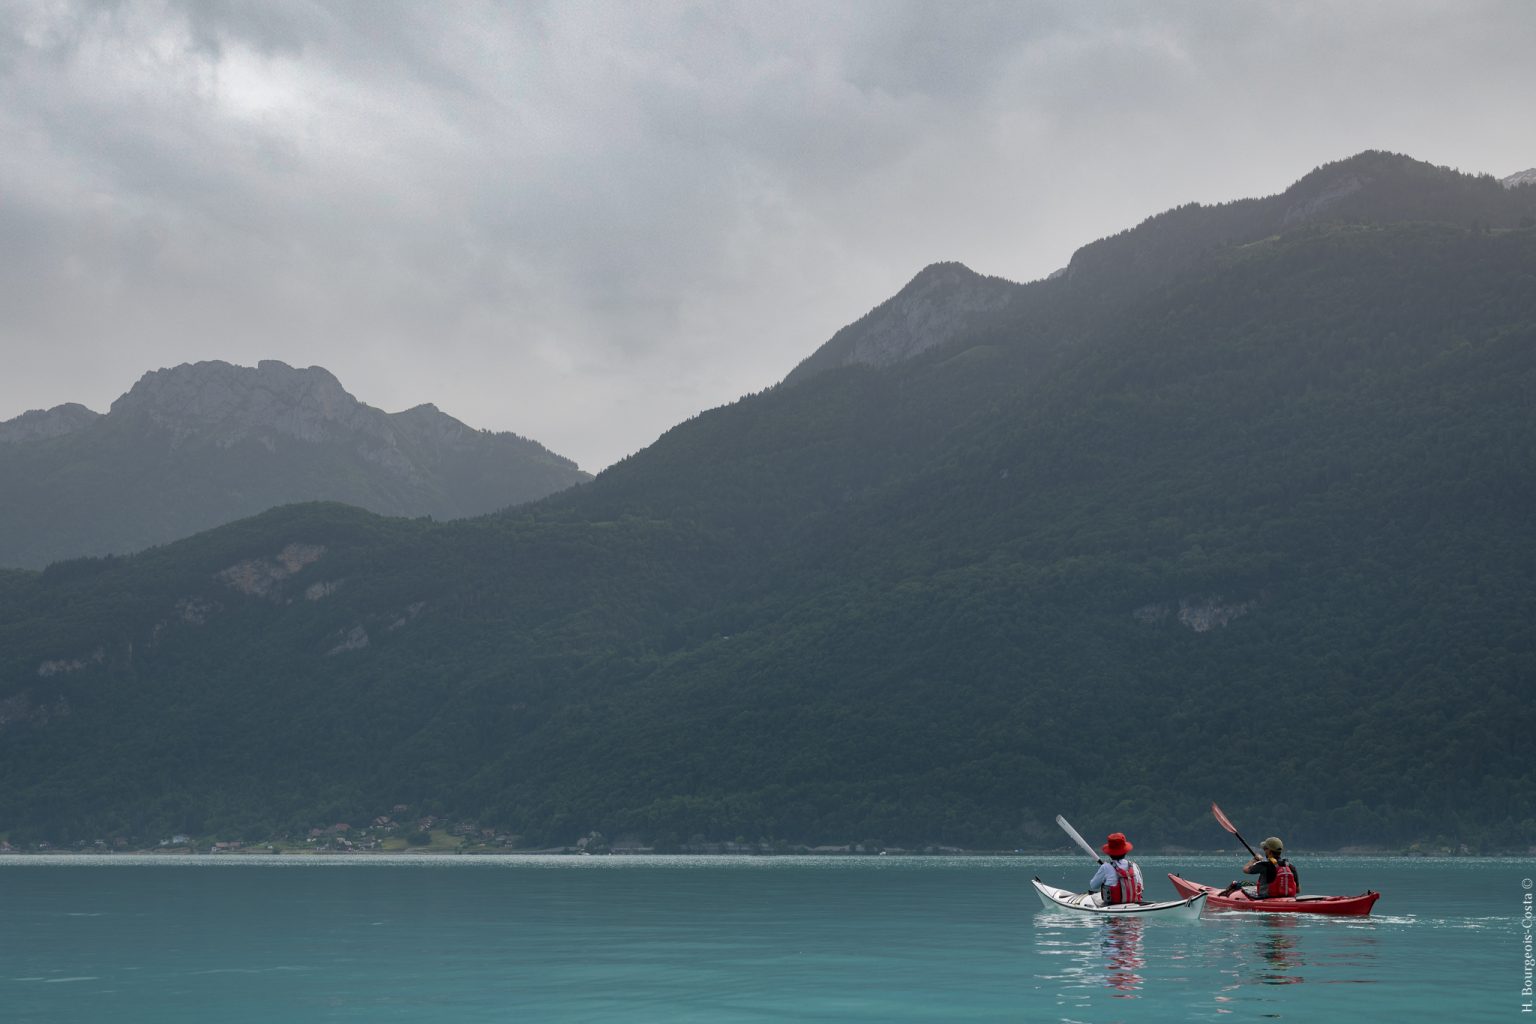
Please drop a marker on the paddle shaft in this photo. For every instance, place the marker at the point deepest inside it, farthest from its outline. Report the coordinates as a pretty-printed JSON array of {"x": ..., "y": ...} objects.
[
  {"x": 1226, "y": 823},
  {"x": 1079, "y": 840}
]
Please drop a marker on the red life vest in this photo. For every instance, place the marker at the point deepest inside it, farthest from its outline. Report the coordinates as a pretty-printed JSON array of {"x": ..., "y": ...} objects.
[
  {"x": 1127, "y": 888},
  {"x": 1284, "y": 883}
]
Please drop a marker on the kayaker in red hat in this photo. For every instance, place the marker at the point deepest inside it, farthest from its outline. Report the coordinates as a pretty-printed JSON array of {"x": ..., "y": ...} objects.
[
  {"x": 1277, "y": 876},
  {"x": 1118, "y": 880}
]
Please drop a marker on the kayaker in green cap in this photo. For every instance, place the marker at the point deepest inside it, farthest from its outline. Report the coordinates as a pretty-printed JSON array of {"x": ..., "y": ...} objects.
[{"x": 1277, "y": 876}]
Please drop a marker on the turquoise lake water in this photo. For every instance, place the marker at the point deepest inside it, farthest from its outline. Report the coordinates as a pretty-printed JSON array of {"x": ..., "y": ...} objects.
[{"x": 237, "y": 939}]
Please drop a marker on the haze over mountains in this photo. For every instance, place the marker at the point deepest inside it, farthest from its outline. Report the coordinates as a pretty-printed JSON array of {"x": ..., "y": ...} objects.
[
  {"x": 197, "y": 445},
  {"x": 949, "y": 300},
  {"x": 1235, "y": 508}
]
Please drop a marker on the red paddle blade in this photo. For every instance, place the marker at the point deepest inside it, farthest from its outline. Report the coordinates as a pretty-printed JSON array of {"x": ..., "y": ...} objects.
[{"x": 1222, "y": 820}]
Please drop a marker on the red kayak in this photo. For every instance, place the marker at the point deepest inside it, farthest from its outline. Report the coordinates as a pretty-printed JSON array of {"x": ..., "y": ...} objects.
[{"x": 1348, "y": 906}]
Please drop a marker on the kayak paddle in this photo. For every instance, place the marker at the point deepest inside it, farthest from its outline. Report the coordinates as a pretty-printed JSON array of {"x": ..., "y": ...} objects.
[
  {"x": 1079, "y": 840},
  {"x": 1226, "y": 823}
]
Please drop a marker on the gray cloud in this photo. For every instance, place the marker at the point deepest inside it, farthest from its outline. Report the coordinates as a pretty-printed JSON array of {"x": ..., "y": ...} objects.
[{"x": 586, "y": 222}]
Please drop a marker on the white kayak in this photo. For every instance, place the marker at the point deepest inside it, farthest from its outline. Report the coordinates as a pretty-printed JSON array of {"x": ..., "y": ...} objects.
[{"x": 1089, "y": 903}]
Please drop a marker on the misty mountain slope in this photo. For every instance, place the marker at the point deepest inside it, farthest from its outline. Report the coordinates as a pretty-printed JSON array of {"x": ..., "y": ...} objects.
[
  {"x": 202, "y": 444},
  {"x": 1369, "y": 188},
  {"x": 948, "y": 301},
  {"x": 1275, "y": 509},
  {"x": 1316, "y": 487}
]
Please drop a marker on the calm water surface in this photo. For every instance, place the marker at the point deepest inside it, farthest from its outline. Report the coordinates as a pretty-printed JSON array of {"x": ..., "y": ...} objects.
[{"x": 235, "y": 939}]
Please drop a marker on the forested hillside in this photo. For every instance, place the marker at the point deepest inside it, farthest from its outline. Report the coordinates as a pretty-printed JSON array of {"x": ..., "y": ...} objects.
[{"x": 1251, "y": 525}]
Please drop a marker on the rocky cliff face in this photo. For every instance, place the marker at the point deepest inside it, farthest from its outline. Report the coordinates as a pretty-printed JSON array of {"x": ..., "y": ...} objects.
[
  {"x": 935, "y": 308},
  {"x": 38, "y": 424},
  {"x": 940, "y": 304},
  {"x": 221, "y": 403}
]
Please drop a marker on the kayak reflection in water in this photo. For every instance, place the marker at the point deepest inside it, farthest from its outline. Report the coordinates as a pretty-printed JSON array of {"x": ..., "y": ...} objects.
[
  {"x": 1124, "y": 959},
  {"x": 1280, "y": 953}
]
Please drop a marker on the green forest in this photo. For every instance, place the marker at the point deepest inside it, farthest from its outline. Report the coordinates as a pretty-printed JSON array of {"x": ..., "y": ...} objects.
[{"x": 1251, "y": 524}]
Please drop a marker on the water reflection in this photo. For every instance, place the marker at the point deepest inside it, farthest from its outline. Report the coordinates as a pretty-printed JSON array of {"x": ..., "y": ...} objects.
[
  {"x": 1289, "y": 950},
  {"x": 1262, "y": 950},
  {"x": 1124, "y": 958},
  {"x": 1279, "y": 949},
  {"x": 1092, "y": 954}
]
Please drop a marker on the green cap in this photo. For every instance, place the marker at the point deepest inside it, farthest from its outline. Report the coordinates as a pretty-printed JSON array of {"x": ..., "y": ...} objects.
[{"x": 1273, "y": 844}]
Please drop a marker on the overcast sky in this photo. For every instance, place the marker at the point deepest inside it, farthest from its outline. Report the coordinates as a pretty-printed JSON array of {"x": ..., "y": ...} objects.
[{"x": 587, "y": 221}]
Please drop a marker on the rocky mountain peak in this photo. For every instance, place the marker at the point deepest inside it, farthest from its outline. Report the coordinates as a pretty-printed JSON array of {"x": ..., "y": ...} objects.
[
  {"x": 225, "y": 403},
  {"x": 427, "y": 423},
  {"x": 38, "y": 424},
  {"x": 1520, "y": 178},
  {"x": 938, "y": 305},
  {"x": 932, "y": 309},
  {"x": 196, "y": 445}
]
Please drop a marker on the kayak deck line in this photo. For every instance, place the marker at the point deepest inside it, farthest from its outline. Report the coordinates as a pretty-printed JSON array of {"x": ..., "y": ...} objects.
[
  {"x": 1186, "y": 908},
  {"x": 1338, "y": 906}
]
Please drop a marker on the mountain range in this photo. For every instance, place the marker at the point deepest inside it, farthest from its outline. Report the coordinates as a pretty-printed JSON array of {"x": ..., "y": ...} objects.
[
  {"x": 1235, "y": 507},
  {"x": 202, "y": 444}
]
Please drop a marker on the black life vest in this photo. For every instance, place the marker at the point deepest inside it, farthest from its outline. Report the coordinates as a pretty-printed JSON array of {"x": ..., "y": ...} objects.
[{"x": 1127, "y": 887}]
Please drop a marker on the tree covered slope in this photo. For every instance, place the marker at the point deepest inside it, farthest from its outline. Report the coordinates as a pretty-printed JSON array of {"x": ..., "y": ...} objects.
[{"x": 1255, "y": 531}]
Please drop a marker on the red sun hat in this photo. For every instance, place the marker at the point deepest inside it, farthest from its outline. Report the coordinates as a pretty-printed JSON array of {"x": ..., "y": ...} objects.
[{"x": 1117, "y": 846}]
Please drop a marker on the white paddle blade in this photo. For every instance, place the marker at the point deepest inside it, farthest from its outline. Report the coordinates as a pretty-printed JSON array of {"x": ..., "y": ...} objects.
[{"x": 1079, "y": 840}]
